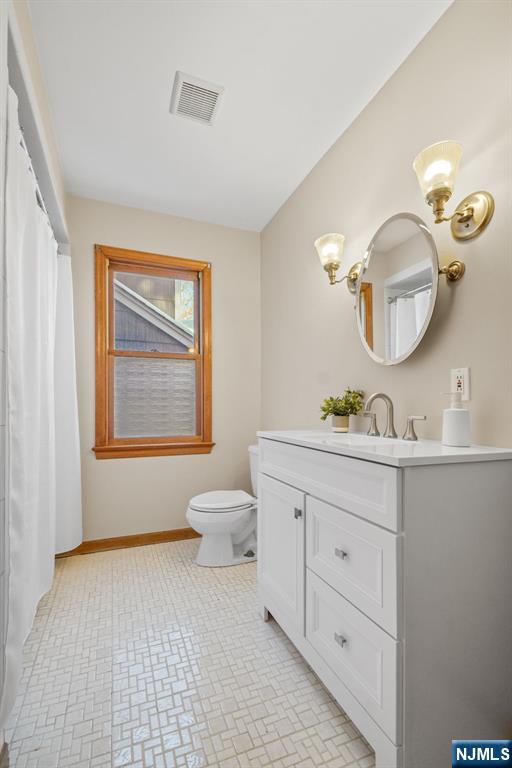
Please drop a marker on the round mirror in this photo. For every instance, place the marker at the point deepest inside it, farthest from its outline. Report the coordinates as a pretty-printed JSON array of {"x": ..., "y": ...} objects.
[{"x": 397, "y": 288}]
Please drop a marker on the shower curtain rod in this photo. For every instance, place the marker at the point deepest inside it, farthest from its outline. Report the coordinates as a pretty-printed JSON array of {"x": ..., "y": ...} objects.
[
  {"x": 39, "y": 196},
  {"x": 411, "y": 292}
]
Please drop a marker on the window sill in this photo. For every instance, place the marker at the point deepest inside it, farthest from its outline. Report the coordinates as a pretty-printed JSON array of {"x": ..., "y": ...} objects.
[{"x": 156, "y": 449}]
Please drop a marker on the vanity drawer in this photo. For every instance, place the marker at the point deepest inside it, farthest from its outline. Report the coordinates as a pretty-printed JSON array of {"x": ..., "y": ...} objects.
[
  {"x": 361, "y": 655},
  {"x": 357, "y": 558},
  {"x": 365, "y": 488}
]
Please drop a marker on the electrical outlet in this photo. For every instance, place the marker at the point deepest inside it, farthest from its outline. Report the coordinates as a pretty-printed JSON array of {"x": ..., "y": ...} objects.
[{"x": 460, "y": 382}]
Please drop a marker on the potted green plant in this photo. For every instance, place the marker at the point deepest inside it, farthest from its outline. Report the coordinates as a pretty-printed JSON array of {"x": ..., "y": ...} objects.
[{"x": 340, "y": 408}]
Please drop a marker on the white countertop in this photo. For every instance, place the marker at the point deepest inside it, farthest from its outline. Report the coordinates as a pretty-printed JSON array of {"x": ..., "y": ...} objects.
[{"x": 396, "y": 453}]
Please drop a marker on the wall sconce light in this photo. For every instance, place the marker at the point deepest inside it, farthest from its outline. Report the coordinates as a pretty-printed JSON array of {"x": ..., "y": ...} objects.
[
  {"x": 436, "y": 168},
  {"x": 330, "y": 249}
]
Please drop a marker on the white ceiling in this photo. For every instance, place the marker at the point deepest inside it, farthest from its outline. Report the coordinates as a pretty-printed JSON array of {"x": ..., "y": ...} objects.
[{"x": 296, "y": 73}]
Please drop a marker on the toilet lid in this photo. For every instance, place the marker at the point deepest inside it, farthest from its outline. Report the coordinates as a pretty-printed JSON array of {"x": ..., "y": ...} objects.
[{"x": 221, "y": 501}]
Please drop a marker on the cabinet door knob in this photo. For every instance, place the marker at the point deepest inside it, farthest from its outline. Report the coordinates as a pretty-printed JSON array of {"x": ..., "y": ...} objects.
[
  {"x": 340, "y": 553},
  {"x": 297, "y": 513},
  {"x": 340, "y": 640}
]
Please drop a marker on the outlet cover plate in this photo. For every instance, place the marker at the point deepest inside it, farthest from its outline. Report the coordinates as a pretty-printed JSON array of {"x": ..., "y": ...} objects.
[{"x": 459, "y": 381}]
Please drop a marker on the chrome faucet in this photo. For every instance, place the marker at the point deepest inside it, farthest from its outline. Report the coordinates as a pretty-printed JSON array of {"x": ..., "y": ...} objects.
[{"x": 390, "y": 427}]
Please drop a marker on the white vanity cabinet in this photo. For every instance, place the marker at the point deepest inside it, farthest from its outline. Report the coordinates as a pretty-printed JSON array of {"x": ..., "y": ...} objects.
[{"x": 388, "y": 565}]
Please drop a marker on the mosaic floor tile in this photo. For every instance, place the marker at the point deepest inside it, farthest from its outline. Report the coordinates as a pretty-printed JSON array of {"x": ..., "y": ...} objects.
[{"x": 139, "y": 658}]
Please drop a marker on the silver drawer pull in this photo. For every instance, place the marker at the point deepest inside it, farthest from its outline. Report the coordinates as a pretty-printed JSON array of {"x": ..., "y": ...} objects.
[
  {"x": 297, "y": 513},
  {"x": 340, "y": 553},
  {"x": 340, "y": 640}
]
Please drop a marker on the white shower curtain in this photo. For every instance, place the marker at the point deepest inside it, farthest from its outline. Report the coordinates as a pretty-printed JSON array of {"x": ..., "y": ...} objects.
[
  {"x": 406, "y": 319},
  {"x": 421, "y": 306},
  {"x": 31, "y": 304},
  {"x": 68, "y": 524},
  {"x": 405, "y": 333}
]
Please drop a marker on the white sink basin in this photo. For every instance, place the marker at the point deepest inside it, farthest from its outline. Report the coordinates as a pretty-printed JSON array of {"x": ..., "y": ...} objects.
[
  {"x": 357, "y": 439},
  {"x": 354, "y": 439}
]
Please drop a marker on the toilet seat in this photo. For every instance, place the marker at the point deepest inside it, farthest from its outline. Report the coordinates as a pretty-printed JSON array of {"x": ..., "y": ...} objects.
[{"x": 221, "y": 501}]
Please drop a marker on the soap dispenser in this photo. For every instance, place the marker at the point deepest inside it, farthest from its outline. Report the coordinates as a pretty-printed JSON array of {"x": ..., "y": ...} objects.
[{"x": 456, "y": 423}]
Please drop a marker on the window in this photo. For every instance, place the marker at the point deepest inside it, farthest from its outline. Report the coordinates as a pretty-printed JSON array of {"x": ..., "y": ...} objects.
[{"x": 153, "y": 356}]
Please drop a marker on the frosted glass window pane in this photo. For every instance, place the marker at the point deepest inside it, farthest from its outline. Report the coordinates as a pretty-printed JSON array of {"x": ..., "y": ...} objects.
[
  {"x": 154, "y": 397},
  {"x": 153, "y": 313}
]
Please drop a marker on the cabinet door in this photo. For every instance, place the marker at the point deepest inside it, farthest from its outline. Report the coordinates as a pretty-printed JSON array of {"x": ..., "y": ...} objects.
[{"x": 281, "y": 552}]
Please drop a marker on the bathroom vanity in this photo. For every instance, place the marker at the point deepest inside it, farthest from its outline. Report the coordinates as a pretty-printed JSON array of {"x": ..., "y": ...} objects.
[{"x": 388, "y": 564}]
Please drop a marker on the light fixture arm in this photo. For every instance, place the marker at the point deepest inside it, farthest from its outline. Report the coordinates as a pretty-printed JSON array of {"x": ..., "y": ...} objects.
[
  {"x": 462, "y": 216},
  {"x": 471, "y": 217},
  {"x": 438, "y": 199},
  {"x": 351, "y": 277},
  {"x": 331, "y": 271}
]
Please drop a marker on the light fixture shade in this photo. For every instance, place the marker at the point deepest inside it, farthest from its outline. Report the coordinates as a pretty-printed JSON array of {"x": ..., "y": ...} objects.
[
  {"x": 330, "y": 249},
  {"x": 437, "y": 166}
]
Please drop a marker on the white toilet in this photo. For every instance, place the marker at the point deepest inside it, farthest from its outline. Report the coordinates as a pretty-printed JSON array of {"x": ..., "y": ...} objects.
[{"x": 227, "y": 522}]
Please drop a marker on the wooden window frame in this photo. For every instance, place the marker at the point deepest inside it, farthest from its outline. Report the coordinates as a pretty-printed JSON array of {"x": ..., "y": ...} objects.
[
  {"x": 367, "y": 293},
  {"x": 108, "y": 258}
]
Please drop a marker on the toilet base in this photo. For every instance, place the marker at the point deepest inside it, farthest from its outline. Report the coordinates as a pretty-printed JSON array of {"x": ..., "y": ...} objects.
[{"x": 218, "y": 551}]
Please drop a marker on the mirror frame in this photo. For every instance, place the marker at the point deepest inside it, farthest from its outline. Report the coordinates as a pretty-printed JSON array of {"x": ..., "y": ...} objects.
[{"x": 435, "y": 282}]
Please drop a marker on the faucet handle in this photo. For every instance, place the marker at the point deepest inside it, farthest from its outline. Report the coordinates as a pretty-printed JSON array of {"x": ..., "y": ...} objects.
[
  {"x": 373, "y": 431},
  {"x": 410, "y": 433}
]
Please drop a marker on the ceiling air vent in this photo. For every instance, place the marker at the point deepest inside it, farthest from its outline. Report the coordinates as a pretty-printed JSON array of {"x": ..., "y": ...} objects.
[{"x": 195, "y": 98}]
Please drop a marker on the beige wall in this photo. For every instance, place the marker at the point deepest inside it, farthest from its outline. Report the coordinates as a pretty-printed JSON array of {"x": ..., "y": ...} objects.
[
  {"x": 126, "y": 496},
  {"x": 455, "y": 84}
]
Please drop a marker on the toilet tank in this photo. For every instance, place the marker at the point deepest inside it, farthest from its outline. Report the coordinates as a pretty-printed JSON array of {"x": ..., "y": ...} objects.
[{"x": 253, "y": 458}]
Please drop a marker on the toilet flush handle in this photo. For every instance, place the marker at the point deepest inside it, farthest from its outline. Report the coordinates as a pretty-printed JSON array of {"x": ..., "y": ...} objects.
[{"x": 297, "y": 513}]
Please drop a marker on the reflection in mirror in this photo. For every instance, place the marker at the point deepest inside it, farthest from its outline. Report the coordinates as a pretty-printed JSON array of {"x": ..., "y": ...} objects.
[
  {"x": 366, "y": 311},
  {"x": 397, "y": 289}
]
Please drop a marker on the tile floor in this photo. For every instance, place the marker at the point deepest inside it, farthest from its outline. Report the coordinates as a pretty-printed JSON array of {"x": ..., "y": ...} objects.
[{"x": 140, "y": 658}]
